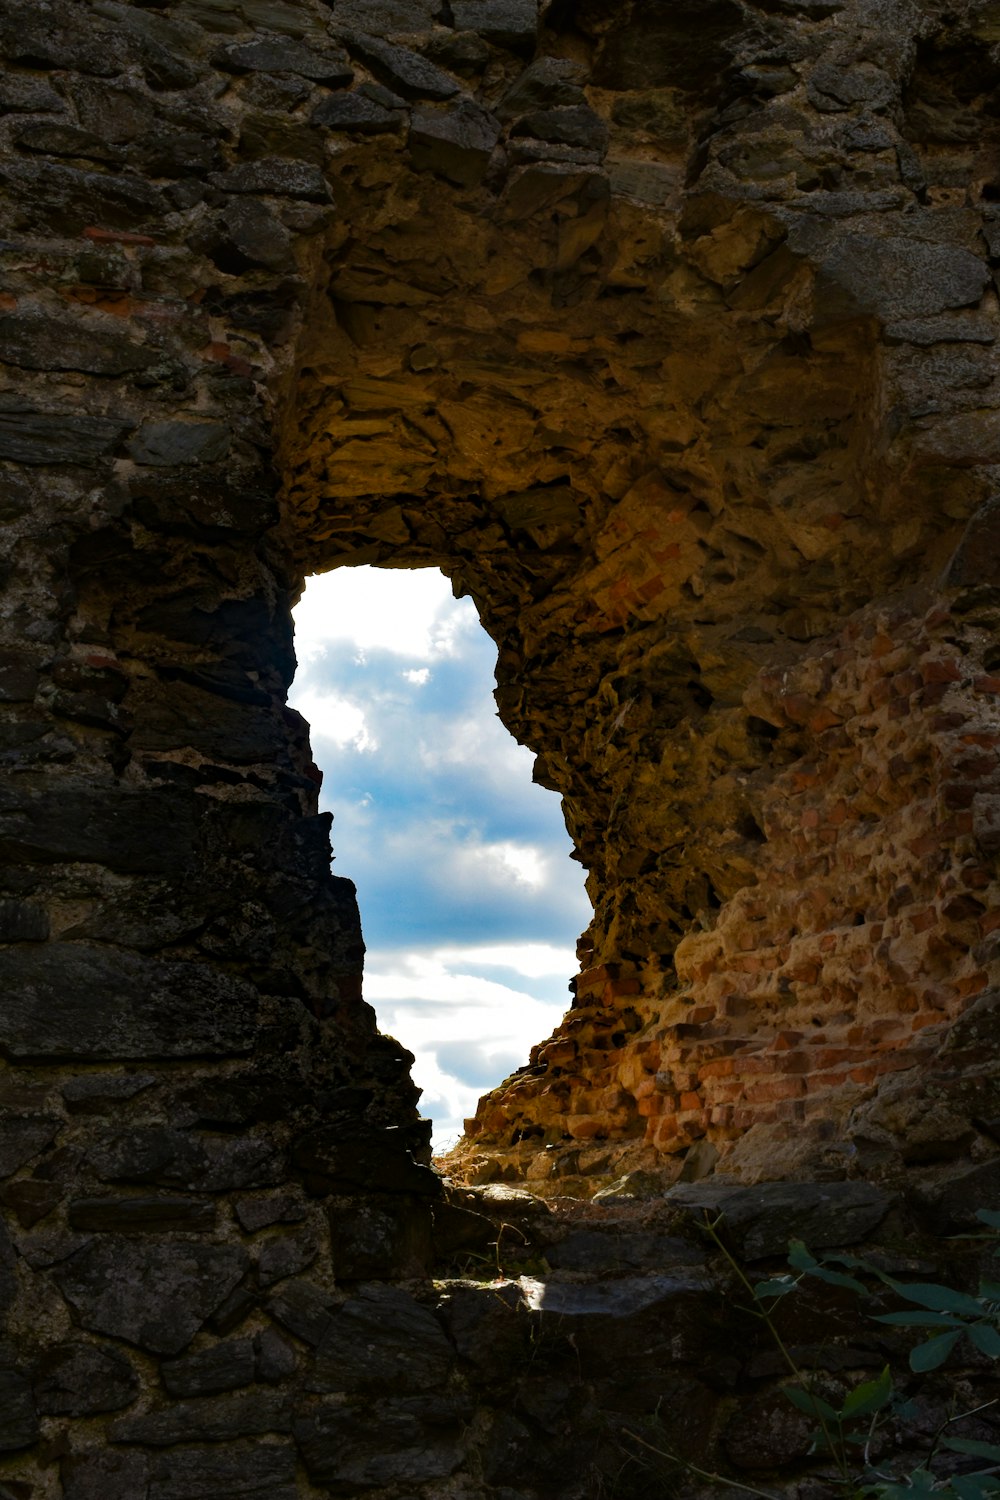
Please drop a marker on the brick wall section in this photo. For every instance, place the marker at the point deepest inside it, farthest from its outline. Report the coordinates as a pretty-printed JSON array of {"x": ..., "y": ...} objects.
[{"x": 871, "y": 927}]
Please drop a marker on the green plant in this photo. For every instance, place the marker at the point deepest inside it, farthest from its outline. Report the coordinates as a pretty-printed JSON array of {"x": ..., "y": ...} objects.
[{"x": 848, "y": 1427}]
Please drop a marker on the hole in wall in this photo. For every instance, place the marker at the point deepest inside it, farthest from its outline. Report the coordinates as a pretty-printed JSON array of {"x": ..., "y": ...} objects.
[{"x": 469, "y": 902}]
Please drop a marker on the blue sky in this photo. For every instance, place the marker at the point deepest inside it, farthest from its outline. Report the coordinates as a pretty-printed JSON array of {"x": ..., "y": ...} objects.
[{"x": 470, "y": 904}]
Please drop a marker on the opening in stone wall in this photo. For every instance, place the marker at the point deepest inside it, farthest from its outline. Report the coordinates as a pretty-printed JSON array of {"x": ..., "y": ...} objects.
[{"x": 470, "y": 904}]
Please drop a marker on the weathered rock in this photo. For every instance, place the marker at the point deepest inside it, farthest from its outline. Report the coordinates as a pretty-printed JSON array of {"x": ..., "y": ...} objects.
[
  {"x": 30, "y": 436},
  {"x": 330, "y": 1162},
  {"x": 141, "y": 1215},
  {"x": 279, "y": 56},
  {"x": 79, "y": 1379},
  {"x": 163, "y": 443},
  {"x": 507, "y": 23},
  {"x": 18, "y": 1416},
  {"x": 104, "y": 1476},
  {"x": 265, "y": 1471},
  {"x": 35, "y": 342},
  {"x": 224, "y": 1367},
  {"x": 304, "y": 1309},
  {"x": 455, "y": 142},
  {"x": 761, "y": 1220},
  {"x": 134, "y": 1008},
  {"x": 155, "y": 1293},
  {"x": 24, "y": 1138},
  {"x": 359, "y": 113},
  {"x": 400, "y": 69},
  {"x": 206, "y": 1421},
  {"x": 393, "y": 1447},
  {"x": 276, "y": 177},
  {"x": 381, "y": 1339}
]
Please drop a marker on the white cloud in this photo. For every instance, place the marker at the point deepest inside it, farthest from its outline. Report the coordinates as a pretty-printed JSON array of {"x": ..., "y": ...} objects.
[
  {"x": 466, "y": 1032},
  {"x": 335, "y": 718},
  {"x": 469, "y": 902},
  {"x": 411, "y": 614}
]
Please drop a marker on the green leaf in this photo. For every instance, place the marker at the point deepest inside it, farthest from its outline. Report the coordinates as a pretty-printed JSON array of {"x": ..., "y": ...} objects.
[
  {"x": 872, "y": 1395},
  {"x": 928, "y": 1356},
  {"x": 837, "y": 1278},
  {"x": 813, "y": 1406},
  {"x": 988, "y": 1216},
  {"x": 919, "y": 1320},
  {"x": 780, "y": 1286},
  {"x": 974, "y": 1449},
  {"x": 986, "y": 1339},
  {"x": 973, "y": 1486},
  {"x": 799, "y": 1257},
  {"x": 990, "y": 1291},
  {"x": 940, "y": 1298}
]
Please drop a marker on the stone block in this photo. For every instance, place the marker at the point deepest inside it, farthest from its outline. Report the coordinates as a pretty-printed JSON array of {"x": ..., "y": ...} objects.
[
  {"x": 36, "y": 342},
  {"x": 224, "y": 1367},
  {"x": 761, "y": 1220},
  {"x": 238, "y": 1471},
  {"x": 104, "y": 1476},
  {"x": 161, "y": 444},
  {"x": 23, "y": 1138},
  {"x": 406, "y": 72},
  {"x": 79, "y": 1380},
  {"x": 381, "y": 1340},
  {"x": 505, "y": 23},
  {"x": 90, "y": 1002},
  {"x": 280, "y": 55},
  {"x": 142, "y": 1215},
  {"x": 31, "y": 436},
  {"x": 391, "y": 1446},
  {"x": 357, "y": 113},
  {"x": 153, "y": 1293},
  {"x": 206, "y": 1420},
  {"x": 454, "y": 142}
]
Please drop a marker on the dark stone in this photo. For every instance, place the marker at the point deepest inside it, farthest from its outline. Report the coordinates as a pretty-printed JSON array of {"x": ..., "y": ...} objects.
[
  {"x": 206, "y": 504},
  {"x": 231, "y": 1313},
  {"x": 304, "y": 1309},
  {"x": 949, "y": 1205},
  {"x": 248, "y": 234},
  {"x": 391, "y": 1446},
  {"x": 358, "y": 113},
  {"x": 21, "y": 1139},
  {"x": 407, "y": 72},
  {"x": 124, "y": 830},
  {"x": 506, "y": 23},
  {"x": 601, "y": 1252},
  {"x": 380, "y": 1235},
  {"x": 460, "y": 52},
  {"x": 163, "y": 443},
  {"x": 66, "y": 200},
  {"x": 277, "y": 176},
  {"x": 489, "y": 1327},
  {"x": 384, "y": 17},
  {"x": 544, "y": 84},
  {"x": 18, "y": 677},
  {"x": 329, "y": 1161},
  {"x": 261, "y": 1471},
  {"x": 761, "y": 1220},
  {"x": 150, "y": 1215},
  {"x": 831, "y": 89},
  {"x": 767, "y": 1432},
  {"x": 23, "y": 921},
  {"x": 8, "y": 1269},
  {"x": 274, "y": 1208},
  {"x": 684, "y": 44},
  {"x": 75, "y": 1000},
  {"x": 57, "y": 138},
  {"x": 977, "y": 557},
  {"x": 455, "y": 141},
  {"x": 573, "y": 125},
  {"x": 30, "y": 1200},
  {"x": 277, "y": 55},
  {"x": 77, "y": 1380},
  {"x": 154, "y": 1293},
  {"x": 19, "y": 95},
  {"x": 29, "y": 436},
  {"x": 896, "y": 278},
  {"x": 224, "y": 1367},
  {"x": 45, "y": 38},
  {"x": 104, "y": 1476},
  {"x": 276, "y": 1359},
  {"x": 382, "y": 1339},
  {"x": 18, "y": 1417},
  {"x": 285, "y": 1255},
  {"x": 97, "y": 1093},
  {"x": 946, "y": 328},
  {"x": 206, "y": 1421}
]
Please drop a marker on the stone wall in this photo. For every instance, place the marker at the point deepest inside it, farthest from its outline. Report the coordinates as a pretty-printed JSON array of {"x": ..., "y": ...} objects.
[{"x": 667, "y": 331}]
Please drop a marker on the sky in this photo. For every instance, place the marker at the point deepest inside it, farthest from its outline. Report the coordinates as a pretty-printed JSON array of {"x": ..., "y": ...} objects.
[{"x": 470, "y": 904}]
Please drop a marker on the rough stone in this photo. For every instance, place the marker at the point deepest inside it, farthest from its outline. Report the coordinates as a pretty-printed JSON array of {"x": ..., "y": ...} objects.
[
  {"x": 18, "y": 1416},
  {"x": 104, "y": 1476},
  {"x": 206, "y": 1421},
  {"x": 265, "y": 1471},
  {"x": 134, "y": 1008},
  {"x": 141, "y": 1215},
  {"x": 23, "y": 1139},
  {"x": 164, "y": 443},
  {"x": 381, "y": 1339},
  {"x": 507, "y": 23},
  {"x": 153, "y": 1293},
  {"x": 358, "y": 113},
  {"x": 761, "y": 1220},
  {"x": 78, "y": 1380},
  {"x": 279, "y": 56},
  {"x": 31, "y": 436},
  {"x": 398, "y": 68},
  {"x": 393, "y": 1448},
  {"x": 454, "y": 142},
  {"x": 277, "y": 177},
  {"x": 224, "y": 1367}
]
